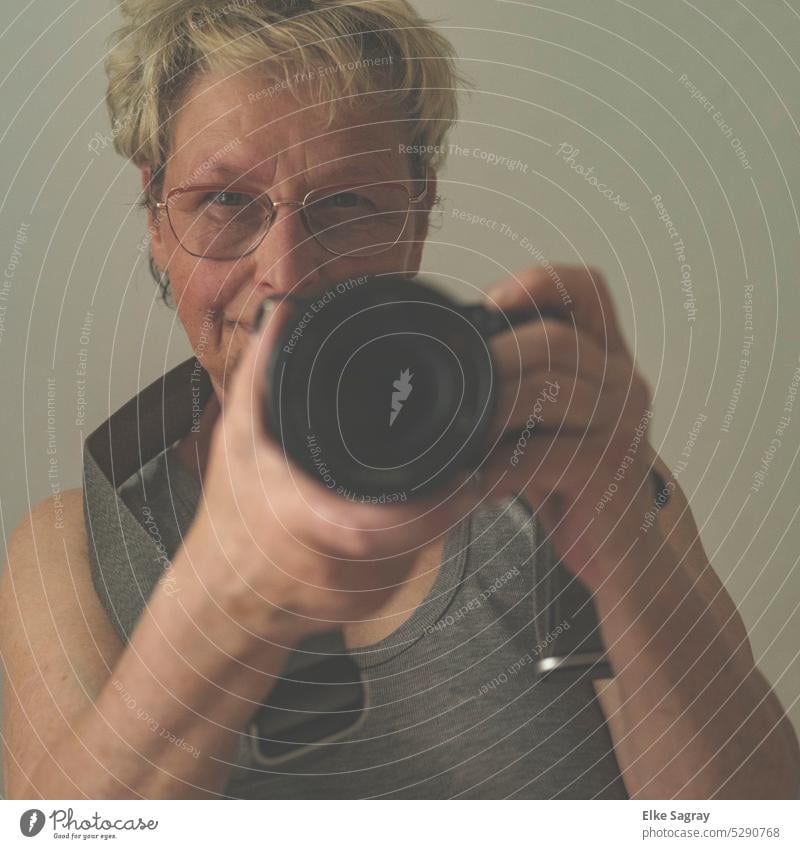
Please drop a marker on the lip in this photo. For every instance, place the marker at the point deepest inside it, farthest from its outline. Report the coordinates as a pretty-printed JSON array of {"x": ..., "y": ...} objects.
[{"x": 244, "y": 325}]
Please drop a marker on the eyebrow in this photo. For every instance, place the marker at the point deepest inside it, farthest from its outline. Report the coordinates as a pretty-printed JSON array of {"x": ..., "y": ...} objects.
[
  {"x": 228, "y": 170},
  {"x": 232, "y": 170}
]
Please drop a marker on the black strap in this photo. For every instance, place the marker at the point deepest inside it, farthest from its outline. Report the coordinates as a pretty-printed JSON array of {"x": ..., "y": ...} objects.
[
  {"x": 319, "y": 672},
  {"x": 152, "y": 420},
  {"x": 319, "y": 696},
  {"x": 570, "y": 642}
]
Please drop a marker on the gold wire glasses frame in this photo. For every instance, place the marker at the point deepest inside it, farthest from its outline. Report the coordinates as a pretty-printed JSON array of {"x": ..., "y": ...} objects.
[{"x": 337, "y": 230}]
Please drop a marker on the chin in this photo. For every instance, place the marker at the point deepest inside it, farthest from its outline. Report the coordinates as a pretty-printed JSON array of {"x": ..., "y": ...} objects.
[
  {"x": 221, "y": 361},
  {"x": 224, "y": 366}
]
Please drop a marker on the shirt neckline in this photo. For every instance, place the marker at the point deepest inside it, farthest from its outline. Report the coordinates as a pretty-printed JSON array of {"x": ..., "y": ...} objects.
[{"x": 428, "y": 611}]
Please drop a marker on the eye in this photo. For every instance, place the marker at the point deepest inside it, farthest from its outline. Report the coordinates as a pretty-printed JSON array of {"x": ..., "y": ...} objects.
[
  {"x": 348, "y": 200},
  {"x": 228, "y": 198}
]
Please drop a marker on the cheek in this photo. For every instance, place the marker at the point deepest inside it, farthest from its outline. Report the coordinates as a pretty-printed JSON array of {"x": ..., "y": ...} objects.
[
  {"x": 400, "y": 258},
  {"x": 407, "y": 254},
  {"x": 201, "y": 292},
  {"x": 202, "y": 286}
]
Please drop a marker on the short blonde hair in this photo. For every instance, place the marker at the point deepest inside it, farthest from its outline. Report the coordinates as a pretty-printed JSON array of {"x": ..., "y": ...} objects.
[{"x": 332, "y": 48}]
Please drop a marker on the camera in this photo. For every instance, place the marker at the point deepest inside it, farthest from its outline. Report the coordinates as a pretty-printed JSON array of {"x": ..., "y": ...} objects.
[{"x": 382, "y": 388}]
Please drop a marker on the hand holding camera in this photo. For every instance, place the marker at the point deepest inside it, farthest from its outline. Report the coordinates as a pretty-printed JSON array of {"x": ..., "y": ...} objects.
[
  {"x": 383, "y": 388},
  {"x": 286, "y": 556}
]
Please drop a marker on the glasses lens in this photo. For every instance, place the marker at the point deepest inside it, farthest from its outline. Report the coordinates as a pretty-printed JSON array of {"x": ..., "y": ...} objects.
[
  {"x": 358, "y": 220},
  {"x": 216, "y": 223}
]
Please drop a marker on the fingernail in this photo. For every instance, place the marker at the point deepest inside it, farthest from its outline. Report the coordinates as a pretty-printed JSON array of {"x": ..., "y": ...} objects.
[
  {"x": 500, "y": 296},
  {"x": 267, "y": 305}
]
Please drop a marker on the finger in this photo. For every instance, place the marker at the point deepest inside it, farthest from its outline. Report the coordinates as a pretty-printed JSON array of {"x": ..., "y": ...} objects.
[
  {"x": 573, "y": 291},
  {"x": 277, "y": 315},
  {"x": 249, "y": 385},
  {"x": 564, "y": 461},
  {"x": 401, "y": 527},
  {"x": 548, "y": 462},
  {"x": 355, "y": 531},
  {"x": 552, "y": 401},
  {"x": 547, "y": 344}
]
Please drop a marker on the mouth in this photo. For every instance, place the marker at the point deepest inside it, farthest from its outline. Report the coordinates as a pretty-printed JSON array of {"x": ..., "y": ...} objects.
[
  {"x": 265, "y": 307},
  {"x": 235, "y": 324}
]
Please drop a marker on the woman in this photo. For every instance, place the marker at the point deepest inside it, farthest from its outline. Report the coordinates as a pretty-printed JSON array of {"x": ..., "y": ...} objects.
[{"x": 195, "y": 559}]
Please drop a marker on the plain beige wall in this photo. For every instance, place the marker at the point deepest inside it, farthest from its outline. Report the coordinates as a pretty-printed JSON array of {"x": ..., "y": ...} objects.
[{"x": 608, "y": 78}]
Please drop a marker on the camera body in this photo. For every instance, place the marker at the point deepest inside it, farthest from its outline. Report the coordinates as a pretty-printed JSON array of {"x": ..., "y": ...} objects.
[{"x": 383, "y": 387}]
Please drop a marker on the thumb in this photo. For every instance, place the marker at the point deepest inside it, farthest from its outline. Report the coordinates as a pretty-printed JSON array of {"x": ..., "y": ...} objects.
[{"x": 250, "y": 383}]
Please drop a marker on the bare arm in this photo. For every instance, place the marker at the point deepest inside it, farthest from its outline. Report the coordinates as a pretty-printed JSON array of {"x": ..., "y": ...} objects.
[
  {"x": 271, "y": 556},
  {"x": 690, "y": 714},
  {"x": 88, "y": 717}
]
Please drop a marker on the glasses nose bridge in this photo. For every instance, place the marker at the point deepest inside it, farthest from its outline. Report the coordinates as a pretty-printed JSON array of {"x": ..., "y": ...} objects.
[
  {"x": 273, "y": 208},
  {"x": 276, "y": 203},
  {"x": 297, "y": 204}
]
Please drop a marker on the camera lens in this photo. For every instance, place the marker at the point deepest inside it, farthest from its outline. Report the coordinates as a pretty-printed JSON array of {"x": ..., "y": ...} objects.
[{"x": 380, "y": 390}]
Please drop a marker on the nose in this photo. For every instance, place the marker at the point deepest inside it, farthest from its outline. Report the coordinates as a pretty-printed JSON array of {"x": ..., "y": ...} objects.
[{"x": 289, "y": 259}]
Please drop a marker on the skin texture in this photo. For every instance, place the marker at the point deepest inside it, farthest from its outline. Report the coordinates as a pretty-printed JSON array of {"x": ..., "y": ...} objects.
[
  {"x": 283, "y": 145},
  {"x": 285, "y": 148},
  {"x": 689, "y": 713}
]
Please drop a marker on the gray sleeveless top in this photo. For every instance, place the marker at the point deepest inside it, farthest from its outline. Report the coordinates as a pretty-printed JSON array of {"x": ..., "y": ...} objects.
[{"x": 454, "y": 705}]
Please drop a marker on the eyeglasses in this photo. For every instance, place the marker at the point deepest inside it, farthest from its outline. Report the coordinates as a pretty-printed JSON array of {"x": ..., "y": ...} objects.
[{"x": 218, "y": 222}]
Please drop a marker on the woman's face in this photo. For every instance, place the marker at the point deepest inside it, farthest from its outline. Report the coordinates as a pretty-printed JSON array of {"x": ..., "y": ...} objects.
[{"x": 229, "y": 127}]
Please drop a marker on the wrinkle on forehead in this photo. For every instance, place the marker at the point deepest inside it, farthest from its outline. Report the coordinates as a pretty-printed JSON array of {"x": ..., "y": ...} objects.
[{"x": 279, "y": 138}]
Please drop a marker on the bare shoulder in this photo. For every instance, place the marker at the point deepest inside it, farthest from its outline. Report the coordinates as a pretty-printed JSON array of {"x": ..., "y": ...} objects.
[{"x": 57, "y": 645}]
